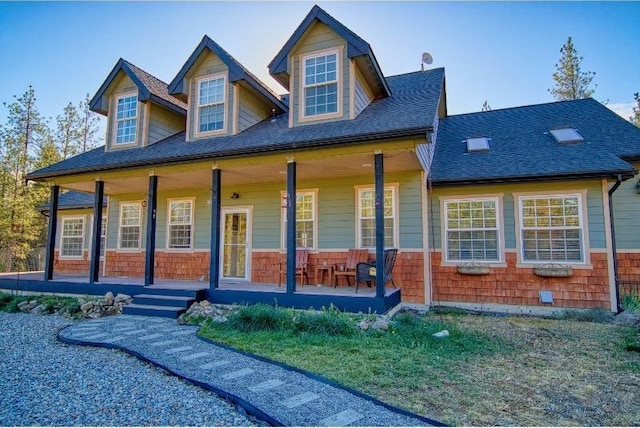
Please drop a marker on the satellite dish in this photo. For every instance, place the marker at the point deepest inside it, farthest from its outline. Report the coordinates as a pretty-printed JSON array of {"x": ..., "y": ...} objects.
[{"x": 426, "y": 59}]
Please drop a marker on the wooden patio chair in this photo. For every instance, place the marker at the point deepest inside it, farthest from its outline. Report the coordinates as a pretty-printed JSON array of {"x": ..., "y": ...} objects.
[
  {"x": 348, "y": 269},
  {"x": 302, "y": 267},
  {"x": 366, "y": 271}
]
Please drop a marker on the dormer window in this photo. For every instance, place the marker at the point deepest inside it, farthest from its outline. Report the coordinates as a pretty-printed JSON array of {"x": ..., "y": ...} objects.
[
  {"x": 211, "y": 104},
  {"x": 126, "y": 119},
  {"x": 566, "y": 135},
  {"x": 320, "y": 77}
]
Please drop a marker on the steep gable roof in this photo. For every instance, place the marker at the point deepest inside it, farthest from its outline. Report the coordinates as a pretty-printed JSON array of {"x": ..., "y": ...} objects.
[
  {"x": 356, "y": 48},
  {"x": 237, "y": 72},
  {"x": 409, "y": 112},
  {"x": 522, "y": 147},
  {"x": 149, "y": 88}
]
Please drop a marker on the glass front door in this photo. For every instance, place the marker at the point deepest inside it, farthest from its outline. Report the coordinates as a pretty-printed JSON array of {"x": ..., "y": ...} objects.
[{"x": 235, "y": 245}]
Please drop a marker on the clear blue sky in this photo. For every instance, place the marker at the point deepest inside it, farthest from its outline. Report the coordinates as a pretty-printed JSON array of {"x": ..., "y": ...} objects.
[{"x": 502, "y": 52}]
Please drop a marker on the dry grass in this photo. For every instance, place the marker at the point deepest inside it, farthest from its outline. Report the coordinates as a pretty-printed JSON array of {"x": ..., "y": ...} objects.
[{"x": 562, "y": 373}]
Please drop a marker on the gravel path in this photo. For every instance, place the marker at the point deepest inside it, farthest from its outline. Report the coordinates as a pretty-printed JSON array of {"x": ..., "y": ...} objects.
[{"x": 45, "y": 382}]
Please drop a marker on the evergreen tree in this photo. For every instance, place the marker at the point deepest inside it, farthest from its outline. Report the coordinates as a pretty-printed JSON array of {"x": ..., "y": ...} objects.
[
  {"x": 635, "y": 117},
  {"x": 22, "y": 140},
  {"x": 89, "y": 126},
  {"x": 486, "y": 106},
  {"x": 68, "y": 136},
  {"x": 571, "y": 83}
]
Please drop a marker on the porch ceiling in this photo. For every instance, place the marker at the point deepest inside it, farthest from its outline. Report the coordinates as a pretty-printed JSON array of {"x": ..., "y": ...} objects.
[{"x": 243, "y": 171}]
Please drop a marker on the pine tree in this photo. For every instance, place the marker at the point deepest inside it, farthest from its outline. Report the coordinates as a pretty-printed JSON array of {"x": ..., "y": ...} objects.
[
  {"x": 571, "y": 83},
  {"x": 486, "y": 106},
  {"x": 635, "y": 117},
  {"x": 89, "y": 128},
  {"x": 22, "y": 139},
  {"x": 68, "y": 132}
]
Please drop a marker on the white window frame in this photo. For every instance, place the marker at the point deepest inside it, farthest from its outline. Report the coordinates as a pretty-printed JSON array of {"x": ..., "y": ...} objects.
[
  {"x": 394, "y": 187},
  {"x": 63, "y": 237},
  {"x": 583, "y": 228},
  {"x": 303, "y": 117},
  {"x": 314, "y": 199},
  {"x": 198, "y": 106},
  {"x": 122, "y": 205},
  {"x": 192, "y": 202},
  {"x": 497, "y": 200},
  {"x": 116, "y": 120},
  {"x": 103, "y": 234}
]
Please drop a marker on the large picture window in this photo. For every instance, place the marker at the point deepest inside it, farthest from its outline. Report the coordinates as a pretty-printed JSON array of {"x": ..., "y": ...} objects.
[
  {"x": 366, "y": 217},
  {"x": 472, "y": 230},
  {"x": 211, "y": 99},
  {"x": 551, "y": 228},
  {"x": 305, "y": 220},
  {"x": 320, "y": 84},
  {"x": 126, "y": 117},
  {"x": 180, "y": 224},
  {"x": 71, "y": 243},
  {"x": 130, "y": 224}
]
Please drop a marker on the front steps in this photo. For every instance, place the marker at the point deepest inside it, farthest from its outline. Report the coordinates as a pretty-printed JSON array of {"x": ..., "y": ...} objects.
[{"x": 163, "y": 302}]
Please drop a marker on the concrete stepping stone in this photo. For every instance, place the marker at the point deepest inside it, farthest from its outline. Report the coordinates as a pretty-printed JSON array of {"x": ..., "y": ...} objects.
[
  {"x": 178, "y": 349},
  {"x": 151, "y": 336},
  {"x": 195, "y": 356},
  {"x": 299, "y": 400},
  {"x": 341, "y": 419},
  {"x": 213, "y": 365},
  {"x": 237, "y": 374},
  {"x": 164, "y": 343},
  {"x": 129, "y": 333},
  {"x": 266, "y": 385}
]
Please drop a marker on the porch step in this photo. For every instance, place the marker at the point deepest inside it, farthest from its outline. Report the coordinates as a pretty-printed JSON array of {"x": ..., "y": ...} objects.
[
  {"x": 153, "y": 310},
  {"x": 198, "y": 294},
  {"x": 163, "y": 300}
]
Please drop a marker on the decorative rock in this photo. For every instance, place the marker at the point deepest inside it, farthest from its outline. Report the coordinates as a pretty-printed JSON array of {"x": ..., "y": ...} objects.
[
  {"x": 22, "y": 304},
  {"x": 108, "y": 299},
  {"x": 380, "y": 324},
  {"x": 122, "y": 298},
  {"x": 39, "y": 309},
  {"x": 364, "y": 325},
  {"x": 441, "y": 334},
  {"x": 205, "y": 303},
  {"x": 86, "y": 307}
]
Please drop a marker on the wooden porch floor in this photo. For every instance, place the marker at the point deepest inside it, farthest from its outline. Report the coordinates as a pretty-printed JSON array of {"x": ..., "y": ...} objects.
[{"x": 341, "y": 290}]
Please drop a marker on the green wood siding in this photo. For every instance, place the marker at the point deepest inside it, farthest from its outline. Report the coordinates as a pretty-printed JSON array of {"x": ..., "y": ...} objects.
[
  {"x": 319, "y": 37},
  {"x": 593, "y": 206},
  {"x": 123, "y": 86},
  {"x": 361, "y": 98},
  {"x": 626, "y": 214},
  {"x": 163, "y": 123},
  {"x": 250, "y": 110}
]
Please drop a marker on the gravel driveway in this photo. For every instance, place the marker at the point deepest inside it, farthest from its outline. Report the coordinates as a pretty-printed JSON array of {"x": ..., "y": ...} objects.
[{"x": 45, "y": 382}]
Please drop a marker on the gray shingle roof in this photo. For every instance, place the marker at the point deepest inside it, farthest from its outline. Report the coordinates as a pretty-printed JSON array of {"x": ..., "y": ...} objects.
[
  {"x": 408, "y": 112},
  {"x": 156, "y": 86},
  {"x": 72, "y": 200},
  {"x": 522, "y": 148}
]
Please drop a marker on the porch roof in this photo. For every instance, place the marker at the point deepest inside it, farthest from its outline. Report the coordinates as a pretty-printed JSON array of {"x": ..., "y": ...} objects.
[
  {"x": 522, "y": 148},
  {"x": 409, "y": 112}
]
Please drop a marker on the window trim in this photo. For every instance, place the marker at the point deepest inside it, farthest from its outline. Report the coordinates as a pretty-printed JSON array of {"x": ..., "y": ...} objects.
[
  {"x": 395, "y": 207},
  {"x": 191, "y": 200},
  {"x": 103, "y": 231},
  {"x": 61, "y": 256},
  {"x": 584, "y": 226},
  {"x": 114, "y": 142},
  {"x": 302, "y": 110},
  {"x": 283, "y": 218},
  {"x": 498, "y": 198},
  {"x": 225, "y": 105},
  {"x": 139, "y": 247}
]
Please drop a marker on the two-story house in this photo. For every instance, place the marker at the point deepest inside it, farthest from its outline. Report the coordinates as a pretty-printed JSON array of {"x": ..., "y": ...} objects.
[{"x": 214, "y": 180}]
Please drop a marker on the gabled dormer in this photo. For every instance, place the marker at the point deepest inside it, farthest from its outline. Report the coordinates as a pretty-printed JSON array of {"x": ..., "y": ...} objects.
[
  {"x": 223, "y": 97},
  {"x": 330, "y": 72},
  {"x": 138, "y": 107}
]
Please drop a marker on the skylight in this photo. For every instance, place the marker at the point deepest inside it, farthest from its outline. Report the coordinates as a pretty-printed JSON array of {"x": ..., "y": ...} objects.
[
  {"x": 478, "y": 144},
  {"x": 566, "y": 135}
]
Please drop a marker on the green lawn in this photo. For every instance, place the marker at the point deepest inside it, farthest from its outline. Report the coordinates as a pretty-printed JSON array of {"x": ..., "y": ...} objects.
[{"x": 489, "y": 371}]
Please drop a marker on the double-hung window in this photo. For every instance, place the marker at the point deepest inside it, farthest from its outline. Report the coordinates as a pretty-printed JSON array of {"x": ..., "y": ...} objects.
[
  {"x": 126, "y": 117},
  {"x": 130, "y": 225},
  {"x": 551, "y": 229},
  {"x": 320, "y": 79},
  {"x": 305, "y": 220},
  {"x": 366, "y": 217},
  {"x": 472, "y": 230},
  {"x": 180, "y": 224},
  {"x": 71, "y": 243},
  {"x": 211, "y": 99},
  {"x": 103, "y": 235}
]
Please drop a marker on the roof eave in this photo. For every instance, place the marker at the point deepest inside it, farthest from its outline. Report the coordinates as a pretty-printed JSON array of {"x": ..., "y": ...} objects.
[
  {"x": 274, "y": 148},
  {"x": 625, "y": 173}
]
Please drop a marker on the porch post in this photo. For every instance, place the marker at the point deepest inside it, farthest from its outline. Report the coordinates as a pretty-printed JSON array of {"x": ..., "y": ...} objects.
[
  {"x": 51, "y": 234},
  {"x": 379, "y": 203},
  {"x": 214, "y": 252},
  {"x": 291, "y": 225},
  {"x": 97, "y": 232},
  {"x": 150, "y": 250}
]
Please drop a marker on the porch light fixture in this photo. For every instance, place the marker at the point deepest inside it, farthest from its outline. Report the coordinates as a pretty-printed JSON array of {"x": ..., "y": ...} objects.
[
  {"x": 144, "y": 203},
  {"x": 366, "y": 165},
  {"x": 235, "y": 195}
]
